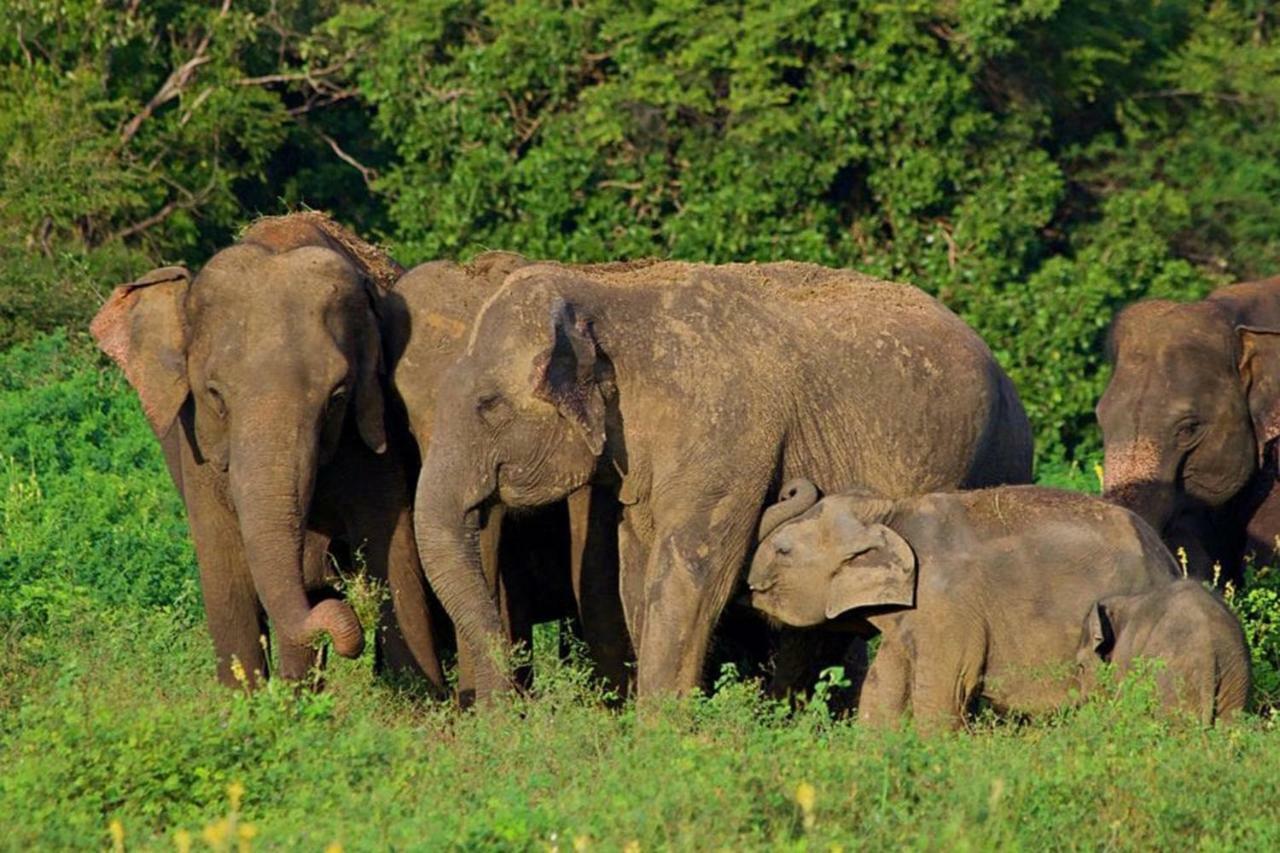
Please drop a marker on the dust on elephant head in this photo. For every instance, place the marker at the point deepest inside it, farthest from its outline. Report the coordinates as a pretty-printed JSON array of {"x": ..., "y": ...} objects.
[{"x": 259, "y": 360}]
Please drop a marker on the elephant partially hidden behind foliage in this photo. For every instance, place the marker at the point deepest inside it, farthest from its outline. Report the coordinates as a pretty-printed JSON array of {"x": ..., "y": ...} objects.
[
  {"x": 263, "y": 379},
  {"x": 1190, "y": 421},
  {"x": 686, "y": 393}
]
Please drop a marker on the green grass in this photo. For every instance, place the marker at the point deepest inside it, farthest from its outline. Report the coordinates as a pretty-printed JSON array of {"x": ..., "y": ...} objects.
[{"x": 109, "y": 712}]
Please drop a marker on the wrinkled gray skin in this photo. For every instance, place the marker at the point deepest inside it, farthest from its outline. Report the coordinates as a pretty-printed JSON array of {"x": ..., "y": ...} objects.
[
  {"x": 262, "y": 379},
  {"x": 1189, "y": 422},
  {"x": 976, "y": 594},
  {"x": 690, "y": 392},
  {"x": 544, "y": 564},
  {"x": 1189, "y": 629}
]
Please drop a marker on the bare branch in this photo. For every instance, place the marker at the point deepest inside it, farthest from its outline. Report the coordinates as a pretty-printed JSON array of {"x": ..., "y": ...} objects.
[
  {"x": 22, "y": 44},
  {"x": 171, "y": 207},
  {"x": 369, "y": 175},
  {"x": 319, "y": 103},
  {"x": 621, "y": 185},
  {"x": 195, "y": 105},
  {"x": 1189, "y": 93},
  {"x": 174, "y": 84},
  {"x": 310, "y": 75}
]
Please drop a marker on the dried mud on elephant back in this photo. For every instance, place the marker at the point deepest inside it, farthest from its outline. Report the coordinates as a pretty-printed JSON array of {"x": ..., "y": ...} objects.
[{"x": 281, "y": 233}]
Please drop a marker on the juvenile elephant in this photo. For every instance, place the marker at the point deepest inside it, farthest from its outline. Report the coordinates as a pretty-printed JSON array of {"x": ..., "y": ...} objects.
[
  {"x": 688, "y": 392},
  {"x": 975, "y": 594},
  {"x": 262, "y": 377},
  {"x": 1190, "y": 420},
  {"x": 1187, "y": 627},
  {"x": 539, "y": 565}
]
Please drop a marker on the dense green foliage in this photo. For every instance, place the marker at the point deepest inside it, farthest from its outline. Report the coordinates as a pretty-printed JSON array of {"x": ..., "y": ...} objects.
[
  {"x": 109, "y": 712},
  {"x": 1035, "y": 163}
]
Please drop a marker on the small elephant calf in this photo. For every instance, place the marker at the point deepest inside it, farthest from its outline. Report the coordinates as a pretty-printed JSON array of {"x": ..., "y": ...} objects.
[
  {"x": 975, "y": 594},
  {"x": 1183, "y": 625}
]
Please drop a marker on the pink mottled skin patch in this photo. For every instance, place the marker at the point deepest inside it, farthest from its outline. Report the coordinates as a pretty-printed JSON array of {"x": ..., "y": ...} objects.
[{"x": 1129, "y": 466}]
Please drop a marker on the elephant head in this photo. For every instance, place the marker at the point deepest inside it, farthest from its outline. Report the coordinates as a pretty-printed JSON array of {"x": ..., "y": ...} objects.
[
  {"x": 261, "y": 360},
  {"x": 1192, "y": 403},
  {"x": 520, "y": 422},
  {"x": 819, "y": 559}
]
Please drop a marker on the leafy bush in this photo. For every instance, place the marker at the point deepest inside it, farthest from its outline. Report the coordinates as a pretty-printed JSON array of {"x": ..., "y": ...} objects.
[
  {"x": 114, "y": 716},
  {"x": 86, "y": 502}
]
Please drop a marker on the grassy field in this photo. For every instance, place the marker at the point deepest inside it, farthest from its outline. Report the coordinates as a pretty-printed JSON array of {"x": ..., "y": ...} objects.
[{"x": 113, "y": 731}]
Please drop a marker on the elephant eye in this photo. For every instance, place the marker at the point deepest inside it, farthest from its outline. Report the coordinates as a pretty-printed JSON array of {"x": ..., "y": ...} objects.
[
  {"x": 494, "y": 409},
  {"x": 215, "y": 397},
  {"x": 1187, "y": 431},
  {"x": 337, "y": 397}
]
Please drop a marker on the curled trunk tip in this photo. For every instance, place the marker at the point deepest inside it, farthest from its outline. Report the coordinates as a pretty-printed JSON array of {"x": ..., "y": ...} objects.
[
  {"x": 796, "y": 497},
  {"x": 338, "y": 620}
]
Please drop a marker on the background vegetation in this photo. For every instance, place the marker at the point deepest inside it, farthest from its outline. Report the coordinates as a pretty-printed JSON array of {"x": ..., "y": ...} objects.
[{"x": 1036, "y": 164}]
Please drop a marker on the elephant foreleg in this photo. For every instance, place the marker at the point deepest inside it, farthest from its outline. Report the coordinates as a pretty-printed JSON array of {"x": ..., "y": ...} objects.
[
  {"x": 234, "y": 616},
  {"x": 692, "y": 572},
  {"x": 887, "y": 686},
  {"x": 945, "y": 679},
  {"x": 1263, "y": 532},
  {"x": 406, "y": 640}
]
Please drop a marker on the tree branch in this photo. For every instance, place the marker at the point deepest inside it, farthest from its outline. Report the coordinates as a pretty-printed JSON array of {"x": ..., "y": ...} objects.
[
  {"x": 369, "y": 175},
  {"x": 171, "y": 207},
  {"x": 174, "y": 84},
  {"x": 1189, "y": 93}
]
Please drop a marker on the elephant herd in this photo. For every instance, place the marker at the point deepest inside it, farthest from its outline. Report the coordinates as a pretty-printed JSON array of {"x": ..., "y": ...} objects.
[{"x": 510, "y": 442}]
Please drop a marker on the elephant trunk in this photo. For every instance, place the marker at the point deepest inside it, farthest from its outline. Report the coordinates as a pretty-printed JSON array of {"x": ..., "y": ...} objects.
[
  {"x": 1134, "y": 477},
  {"x": 795, "y": 499},
  {"x": 447, "y": 525},
  {"x": 271, "y": 486}
]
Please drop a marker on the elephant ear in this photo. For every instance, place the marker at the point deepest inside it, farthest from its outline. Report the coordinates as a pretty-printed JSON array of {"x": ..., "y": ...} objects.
[
  {"x": 1099, "y": 630},
  {"x": 1260, "y": 371},
  {"x": 142, "y": 328},
  {"x": 880, "y": 571},
  {"x": 370, "y": 407},
  {"x": 565, "y": 374}
]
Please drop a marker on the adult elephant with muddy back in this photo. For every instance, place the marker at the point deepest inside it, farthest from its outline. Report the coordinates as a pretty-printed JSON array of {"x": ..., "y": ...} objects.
[
  {"x": 691, "y": 392},
  {"x": 541, "y": 565},
  {"x": 262, "y": 377},
  {"x": 1190, "y": 420}
]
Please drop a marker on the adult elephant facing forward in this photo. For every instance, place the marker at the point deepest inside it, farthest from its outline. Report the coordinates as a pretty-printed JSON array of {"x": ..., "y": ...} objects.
[
  {"x": 262, "y": 379},
  {"x": 693, "y": 391},
  {"x": 1190, "y": 420}
]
